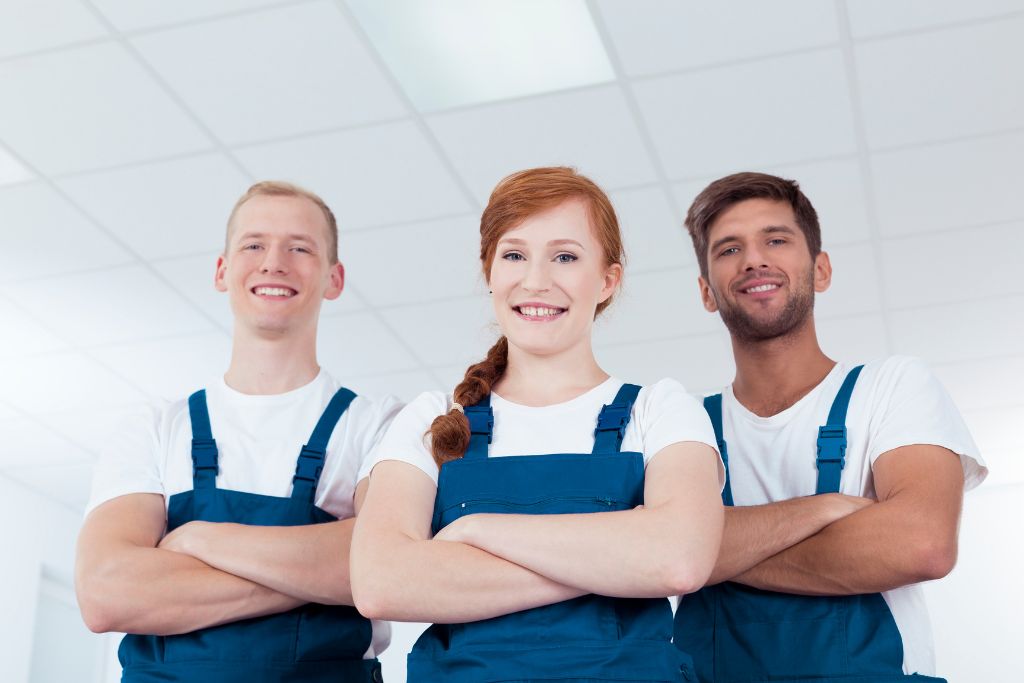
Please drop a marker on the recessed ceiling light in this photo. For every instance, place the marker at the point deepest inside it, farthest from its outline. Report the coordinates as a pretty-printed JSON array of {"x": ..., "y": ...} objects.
[{"x": 448, "y": 53}]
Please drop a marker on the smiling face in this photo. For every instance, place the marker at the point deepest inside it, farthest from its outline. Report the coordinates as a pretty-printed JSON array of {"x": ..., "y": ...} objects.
[
  {"x": 276, "y": 268},
  {"x": 761, "y": 276},
  {"x": 547, "y": 278}
]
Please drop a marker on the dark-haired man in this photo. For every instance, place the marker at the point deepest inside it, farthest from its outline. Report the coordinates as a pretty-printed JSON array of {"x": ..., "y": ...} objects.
[
  {"x": 219, "y": 526},
  {"x": 815, "y": 587}
]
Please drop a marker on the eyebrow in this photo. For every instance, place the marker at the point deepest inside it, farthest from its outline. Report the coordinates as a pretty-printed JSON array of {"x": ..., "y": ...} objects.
[
  {"x": 767, "y": 230},
  {"x": 553, "y": 243},
  {"x": 294, "y": 237}
]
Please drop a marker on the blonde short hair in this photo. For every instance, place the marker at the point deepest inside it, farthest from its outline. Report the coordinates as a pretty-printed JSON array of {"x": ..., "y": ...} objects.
[{"x": 280, "y": 188}]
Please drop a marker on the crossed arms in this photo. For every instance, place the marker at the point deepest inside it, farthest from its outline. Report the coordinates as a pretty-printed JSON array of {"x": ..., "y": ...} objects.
[
  {"x": 202, "y": 574},
  {"x": 843, "y": 545}
]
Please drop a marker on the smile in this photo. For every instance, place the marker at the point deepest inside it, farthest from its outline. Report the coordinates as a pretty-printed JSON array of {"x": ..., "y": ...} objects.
[
  {"x": 760, "y": 288},
  {"x": 528, "y": 312},
  {"x": 285, "y": 292}
]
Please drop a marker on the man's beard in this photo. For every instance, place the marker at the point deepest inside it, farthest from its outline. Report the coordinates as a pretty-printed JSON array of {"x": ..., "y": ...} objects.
[{"x": 748, "y": 328}]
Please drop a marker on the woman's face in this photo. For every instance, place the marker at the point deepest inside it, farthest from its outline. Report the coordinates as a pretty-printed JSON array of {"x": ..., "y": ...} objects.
[{"x": 548, "y": 276}]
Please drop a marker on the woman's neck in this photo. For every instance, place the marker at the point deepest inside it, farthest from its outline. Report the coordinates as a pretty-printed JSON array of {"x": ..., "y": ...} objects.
[{"x": 536, "y": 380}]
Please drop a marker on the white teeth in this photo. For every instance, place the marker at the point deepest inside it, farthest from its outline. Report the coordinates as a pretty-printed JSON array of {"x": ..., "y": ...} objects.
[
  {"x": 539, "y": 311},
  {"x": 273, "y": 291},
  {"x": 761, "y": 288}
]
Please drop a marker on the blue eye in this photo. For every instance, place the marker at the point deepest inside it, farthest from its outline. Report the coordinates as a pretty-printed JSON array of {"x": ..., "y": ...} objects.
[
  {"x": 566, "y": 257},
  {"x": 729, "y": 251},
  {"x": 513, "y": 256},
  {"x": 252, "y": 247}
]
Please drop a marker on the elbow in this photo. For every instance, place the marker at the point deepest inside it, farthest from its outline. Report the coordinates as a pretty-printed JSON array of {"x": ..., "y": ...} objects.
[
  {"x": 684, "y": 575},
  {"x": 372, "y": 601},
  {"x": 934, "y": 559},
  {"x": 96, "y": 612}
]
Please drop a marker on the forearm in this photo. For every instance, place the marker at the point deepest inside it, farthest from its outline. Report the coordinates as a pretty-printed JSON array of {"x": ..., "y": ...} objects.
[
  {"x": 876, "y": 549},
  {"x": 159, "y": 592},
  {"x": 444, "y": 582},
  {"x": 310, "y": 562},
  {"x": 754, "y": 533},
  {"x": 645, "y": 552}
]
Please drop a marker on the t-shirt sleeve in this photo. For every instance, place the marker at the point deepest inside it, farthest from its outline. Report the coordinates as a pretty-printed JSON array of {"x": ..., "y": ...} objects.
[
  {"x": 919, "y": 410},
  {"x": 406, "y": 438},
  {"x": 130, "y": 460},
  {"x": 384, "y": 412},
  {"x": 669, "y": 415}
]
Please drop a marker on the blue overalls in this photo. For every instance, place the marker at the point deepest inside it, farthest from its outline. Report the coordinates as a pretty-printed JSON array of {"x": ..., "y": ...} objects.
[
  {"x": 739, "y": 634},
  {"x": 312, "y": 643},
  {"x": 589, "y": 638}
]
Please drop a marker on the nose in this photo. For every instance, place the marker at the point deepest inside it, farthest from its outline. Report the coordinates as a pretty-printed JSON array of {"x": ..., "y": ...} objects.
[
  {"x": 537, "y": 278},
  {"x": 754, "y": 258},
  {"x": 273, "y": 262}
]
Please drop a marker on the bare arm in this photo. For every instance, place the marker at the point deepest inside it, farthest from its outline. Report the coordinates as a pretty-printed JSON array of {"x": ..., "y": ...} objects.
[
  {"x": 398, "y": 573},
  {"x": 666, "y": 547},
  {"x": 308, "y": 562},
  {"x": 910, "y": 535},
  {"x": 755, "y": 533},
  {"x": 124, "y": 583}
]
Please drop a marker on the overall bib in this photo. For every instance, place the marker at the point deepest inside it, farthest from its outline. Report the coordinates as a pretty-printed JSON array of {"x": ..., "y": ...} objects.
[
  {"x": 739, "y": 634},
  {"x": 589, "y": 638},
  {"x": 312, "y": 643}
]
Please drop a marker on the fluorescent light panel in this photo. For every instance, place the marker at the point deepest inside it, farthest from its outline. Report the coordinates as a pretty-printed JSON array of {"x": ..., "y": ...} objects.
[{"x": 448, "y": 53}]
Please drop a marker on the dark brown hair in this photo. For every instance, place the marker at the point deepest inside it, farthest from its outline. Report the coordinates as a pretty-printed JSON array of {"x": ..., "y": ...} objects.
[
  {"x": 515, "y": 199},
  {"x": 733, "y": 189}
]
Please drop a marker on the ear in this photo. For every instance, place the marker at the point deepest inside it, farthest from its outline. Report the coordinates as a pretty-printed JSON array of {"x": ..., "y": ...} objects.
[
  {"x": 218, "y": 276},
  {"x": 707, "y": 297},
  {"x": 612, "y": 278},
  {"x": 336, "y": 276},
  {"x": 822, "y": 272}
]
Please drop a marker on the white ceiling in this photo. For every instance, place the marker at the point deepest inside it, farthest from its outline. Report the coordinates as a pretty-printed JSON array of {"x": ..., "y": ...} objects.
[{"x": 129, "y": 127}]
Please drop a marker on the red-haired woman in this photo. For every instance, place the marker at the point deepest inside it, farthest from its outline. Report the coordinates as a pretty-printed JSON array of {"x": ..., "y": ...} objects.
[{"x": 517, "y": 515}]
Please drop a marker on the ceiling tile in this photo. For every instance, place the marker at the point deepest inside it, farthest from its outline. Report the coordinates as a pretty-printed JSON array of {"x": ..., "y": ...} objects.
[
  {"x": 447, "y": 333},
  {"x": 855, "y": 339},
  {"x": 61, "y": 382},
  {"x": 359, "y": 344},
  {"x": 28, "y": 25},
  {"x": 703, "y": 363},
  {"x": 192, "y": 276},
  {"x": 109, "y": 306},
  {"x": 33, "y": 215},
  {"x": 986, "y": 260},
  {"x": 22, "y": 335},
  {"x": 415, "y": 263},
  {"x": 405, "y": 385},
  {"x": 655, "y": 36},
  {"x": 952, "y": 185},
  {"x": 655, "y": 239},
  {"x": 834, "y": 187},
  {"x": 130, "y": 15},
  {"x": 854, "y": 287},
  {"x": 68, "y": 484},
  {"x": 322, "y": 75},
  {"x": 90, "y": 107},
  {"x": 984, "y": 384},
  {"x": 961, "y": 331},
  {"x": 11, "y": 170},
  {"x": 370, "y": 176},
  {"x": 733, "y": 118},
  {"x": 591, "y": 129},
  {"x": 352, "y": 300},
  {"x": 876, "y": 17},
  {"x": 166, "y": 209},
  {"x": 940, "y": 85},
  {"x": 171, "y": 368},
  {"x": 7, "y": 412},
  {"x": 91, "y": 428},
  {"x": 658, "y": 305},
  {"x": 27, "y": 443},
  {"x": 462, "y": 52}
]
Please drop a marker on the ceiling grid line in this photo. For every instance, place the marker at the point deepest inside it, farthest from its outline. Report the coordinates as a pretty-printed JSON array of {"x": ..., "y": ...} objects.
[
  {"x": 864, "y": 167},
  {"x": 939, "y": 28}
]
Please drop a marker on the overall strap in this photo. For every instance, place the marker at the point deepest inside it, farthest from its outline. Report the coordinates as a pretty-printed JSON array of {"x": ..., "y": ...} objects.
[
  {"x": 311, "y": 458},
  {"x": 204, "y": 448},
  {"x": 481, "y": 426},
  {"x": 613, "y": 419},
  {"x": 713, "y": 407},
  {"x": 832, "y": 437}
]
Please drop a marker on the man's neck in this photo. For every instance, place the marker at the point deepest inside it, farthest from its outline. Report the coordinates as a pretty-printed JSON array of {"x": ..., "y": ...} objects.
[
  {"x": 774, "y": 374},
  {"x": 268, "y": 364}
]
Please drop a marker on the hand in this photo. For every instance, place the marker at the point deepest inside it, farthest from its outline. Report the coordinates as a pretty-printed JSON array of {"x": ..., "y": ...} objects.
[{"x": 183, "y": 539}]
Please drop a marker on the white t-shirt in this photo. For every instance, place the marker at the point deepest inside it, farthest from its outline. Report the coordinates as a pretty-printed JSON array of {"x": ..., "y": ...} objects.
[
  {"x": 663, "y": 414},
  {"x": 896, "y": 402},
  {"x": 258, "y": 442}
]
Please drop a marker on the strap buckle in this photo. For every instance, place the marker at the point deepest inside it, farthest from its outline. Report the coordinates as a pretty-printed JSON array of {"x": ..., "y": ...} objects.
[
  {"x": 204, "y": 454},
  {"x": 613, "y": 418},
  {"x": 832, "y": 444},
  {"x": 481, "y": 420},
  {"x": 310, "y": 464}
]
